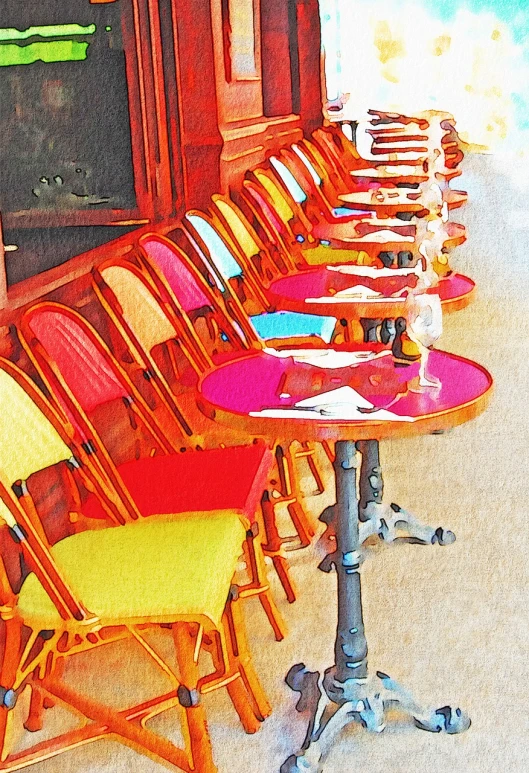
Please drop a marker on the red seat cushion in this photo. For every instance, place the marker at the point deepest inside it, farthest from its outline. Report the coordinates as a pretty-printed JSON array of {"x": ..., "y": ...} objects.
[{"x": 217, "y": 479}]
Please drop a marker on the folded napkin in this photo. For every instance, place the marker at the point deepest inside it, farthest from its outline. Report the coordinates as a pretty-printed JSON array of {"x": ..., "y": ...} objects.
[
  {"x": 356, "y": 293},
  {"x": 382, "y": 236},
  {"x": 339, "y": 404},
  {"x": 409, "y": 156},
  {"x": 413, "y": 169},
  {"x": 327, "y": 358},
  {"x": 394, "y": 147},
  {"x": 370, "y": 271}
]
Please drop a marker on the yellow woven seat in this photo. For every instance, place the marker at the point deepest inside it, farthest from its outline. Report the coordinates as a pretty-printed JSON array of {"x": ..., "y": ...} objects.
[
  {"x": 159, "y": 570},
  {"x": 326, "y": 256}
]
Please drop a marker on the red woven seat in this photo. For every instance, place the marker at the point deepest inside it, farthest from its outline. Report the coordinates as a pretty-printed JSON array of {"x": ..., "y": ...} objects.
[{"x": 217, "y": 479}]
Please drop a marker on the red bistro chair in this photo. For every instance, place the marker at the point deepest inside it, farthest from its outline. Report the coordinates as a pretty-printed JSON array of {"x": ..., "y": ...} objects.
[{"x": 59, "y": 341}]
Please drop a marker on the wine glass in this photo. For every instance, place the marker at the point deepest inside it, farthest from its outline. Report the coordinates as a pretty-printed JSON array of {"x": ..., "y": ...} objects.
[{"x": 424, "y": 325}]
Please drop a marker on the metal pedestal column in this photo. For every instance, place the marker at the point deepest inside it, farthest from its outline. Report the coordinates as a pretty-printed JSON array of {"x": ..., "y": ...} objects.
[
  {"x": 391, "y": 522},
  {"x": 346, "y": 692}
]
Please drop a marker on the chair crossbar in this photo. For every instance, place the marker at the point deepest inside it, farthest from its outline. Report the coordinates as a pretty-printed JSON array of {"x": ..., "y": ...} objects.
[{"x": 95, "y": 731}]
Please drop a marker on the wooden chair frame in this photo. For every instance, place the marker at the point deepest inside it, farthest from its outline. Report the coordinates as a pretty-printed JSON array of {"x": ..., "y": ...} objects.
[
  {"x": 268, "y": 263},
  {"x": 181, "y": 323},
  {"x": 289, "y": 493},
  {"x": 37, "y": 662},
  {"x": 45, "y": 366}
]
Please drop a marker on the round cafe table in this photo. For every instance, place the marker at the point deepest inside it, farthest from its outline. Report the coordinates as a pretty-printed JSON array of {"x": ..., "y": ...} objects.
[
  {"x": 261, "y": 394},
  {"x": 324, "y": 290},
  {"x": 403, "y": 174},
  {"x": 392, "y": 200},
  {"x": 346, "y": 236},
  {"x": 396, "y": 134},
  {"x": 386, "y": 201}
]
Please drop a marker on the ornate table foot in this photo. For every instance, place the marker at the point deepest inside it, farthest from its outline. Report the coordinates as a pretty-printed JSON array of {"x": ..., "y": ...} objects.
[
  {"x": 394, "y": 524},
  {"x": 390, "y": 522},
  {"x": 333, "y": 705}
]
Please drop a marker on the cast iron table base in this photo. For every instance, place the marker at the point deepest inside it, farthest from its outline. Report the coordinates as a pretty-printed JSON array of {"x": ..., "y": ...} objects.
[
  {"x": 390, "y": 522},
  {"x": 347, "y": 692}
]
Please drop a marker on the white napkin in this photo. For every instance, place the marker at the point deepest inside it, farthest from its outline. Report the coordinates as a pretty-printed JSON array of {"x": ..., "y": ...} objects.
[
  {"x": 407, "y": 169},
  {"x": 394, "y": 147},
  {"x": 342, "y": 403},
  {"x": 327, "y": 358},
  {"x": 380, "y": 237},
  {"x": 409, "y": 156},
  {"x": 355, "y": 293},
  {"x": 370, "y": 271}
]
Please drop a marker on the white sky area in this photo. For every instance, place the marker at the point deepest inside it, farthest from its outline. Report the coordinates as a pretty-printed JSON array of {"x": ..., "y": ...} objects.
[{"x": 395, "y": 55}]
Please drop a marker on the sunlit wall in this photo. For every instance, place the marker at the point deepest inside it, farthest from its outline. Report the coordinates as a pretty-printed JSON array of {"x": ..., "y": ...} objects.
[{"x": 469, "y": 57}]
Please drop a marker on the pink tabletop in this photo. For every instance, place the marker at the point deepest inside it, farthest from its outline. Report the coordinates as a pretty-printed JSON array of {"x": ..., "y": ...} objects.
[
  {"x": 348, "y": 235},
  {"x": 291, "y": 293},
  {"x": 398, "y": 199},
  {"x": 256, "y": 381},
  {"x": 407, "y": 174},
  {"x": 395, "y": 200}
]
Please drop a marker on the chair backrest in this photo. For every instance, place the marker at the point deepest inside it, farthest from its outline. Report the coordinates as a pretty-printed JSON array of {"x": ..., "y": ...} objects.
[
  {"x": 32, "y": 438},
  {"x": 261, "y": 204},
  {"x": 80, "y": 370},
  {"x": 340, "y": 144},
  {"x": 315, "y": 198},
  {"x": 138, "y": 306},
  {"x": 209, "y": 234},
  {"x": 38, "y": 559},
  {"x": 292, "y": 183},
  {"x": 29, "y": 441},
  {"x": 329, "y": 167},
  {"x": 277, "y": 233},
  {"x": 81, "y": 374},
  {"x": 178, "y": 280},
  {"x": 187, "y": 286},
  {"x": 277, "y": 195},
  {"x": 83, "y": 359},
  {"x": 325, "y": 142},
  {"x": 221, "y": 256},
  {"x": 310, "y": 166},
  {"x": 238, "y": 225},
  {"x": 290, "y": 211},
  {"x": 263, "y": 257}
]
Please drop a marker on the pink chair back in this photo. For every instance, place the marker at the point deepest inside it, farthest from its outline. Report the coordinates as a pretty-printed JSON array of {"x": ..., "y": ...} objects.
[
  {"x": 83, "y": 366},
  {"x": 183, "y": 284}
]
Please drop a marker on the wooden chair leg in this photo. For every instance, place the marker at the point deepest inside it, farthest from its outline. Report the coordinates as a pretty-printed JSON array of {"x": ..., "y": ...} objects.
[
  {"x": 301, "y": 523},
  {"x": 35, "y": 717},
  {"x": 239, "y": 646},
  {"x": 258, "y": 572},
  {"x": 308, "y": 453},
  {"x": 285, "y": 484},
  {"x": 8, "y": 674},
  {"x": 328, "y": 450},
  {"x": 38, "y": 701},
  {"x": 273, "y": 546},
  {"x": 290, "y": 491},
  {"x": 58, "y": 671},
  {"x": 198, "y": 741}
]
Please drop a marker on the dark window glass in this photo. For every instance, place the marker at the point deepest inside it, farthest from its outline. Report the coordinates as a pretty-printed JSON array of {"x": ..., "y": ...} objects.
[{"x": 64, "y": 110}]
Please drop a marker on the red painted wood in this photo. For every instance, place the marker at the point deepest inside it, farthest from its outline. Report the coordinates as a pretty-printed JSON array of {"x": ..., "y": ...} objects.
[
  {"x": 309, "y": 35},
  {"x": 200, "y": 138}
]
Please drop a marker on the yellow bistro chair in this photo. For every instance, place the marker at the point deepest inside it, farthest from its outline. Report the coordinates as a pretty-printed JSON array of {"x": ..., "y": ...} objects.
[{"x": 95, "y": 587}]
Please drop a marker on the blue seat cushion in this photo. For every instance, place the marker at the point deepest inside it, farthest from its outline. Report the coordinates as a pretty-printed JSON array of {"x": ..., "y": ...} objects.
[
  {"x": 348, "y": 211},
  {"x": 290, "y": 324}
]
